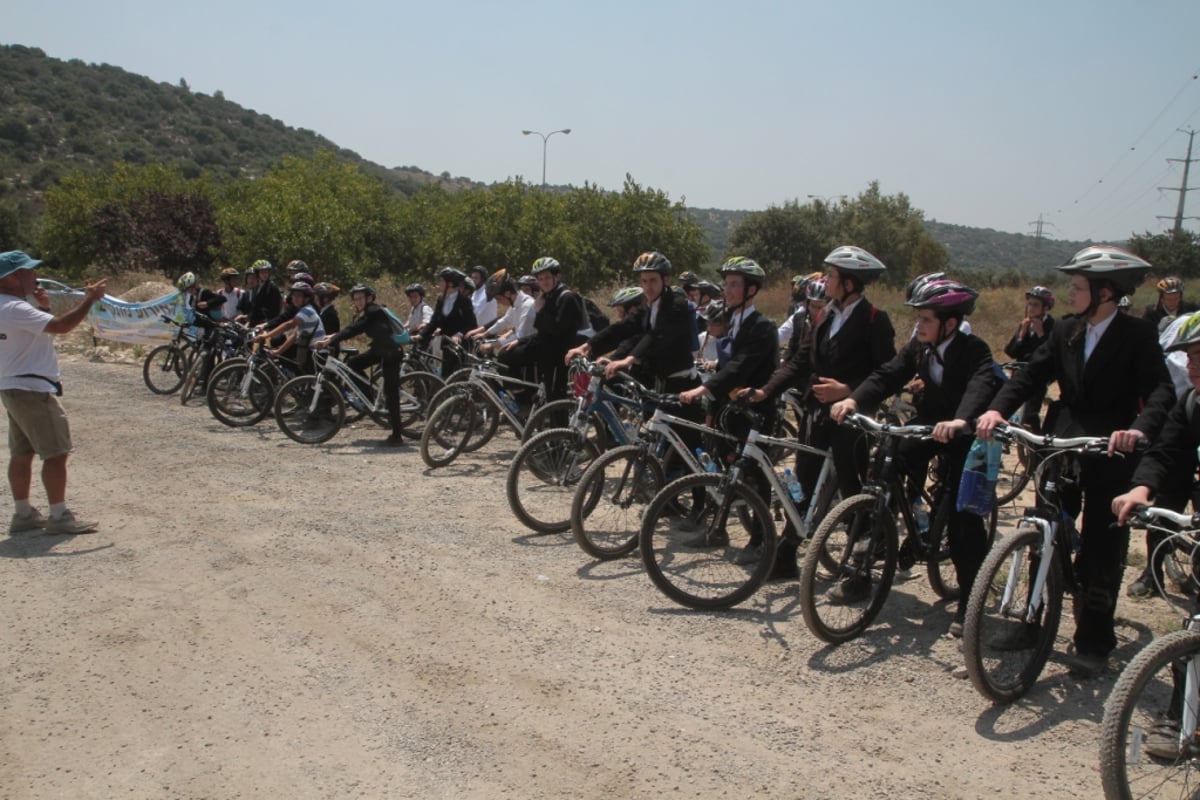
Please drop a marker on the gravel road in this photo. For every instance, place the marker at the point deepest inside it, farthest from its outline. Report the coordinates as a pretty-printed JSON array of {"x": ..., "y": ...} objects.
[{"x": 258, "y": 618}]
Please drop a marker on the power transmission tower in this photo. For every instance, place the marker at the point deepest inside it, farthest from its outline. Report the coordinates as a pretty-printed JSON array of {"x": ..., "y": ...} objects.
[
  {"x": 1183, "y": 187},
  {"x": 1038, "y": 225}
]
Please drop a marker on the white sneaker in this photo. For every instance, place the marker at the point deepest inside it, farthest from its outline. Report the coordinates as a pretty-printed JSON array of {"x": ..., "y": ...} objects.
[
  {"x": 31, "y": 522},
  {"x": 69, "y": 523}
]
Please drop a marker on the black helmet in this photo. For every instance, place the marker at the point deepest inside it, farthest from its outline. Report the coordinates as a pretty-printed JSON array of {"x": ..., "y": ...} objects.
[
  {"x": 326, "y": 289},
  {"x": 709, "y": 289},
  {"x": 748, "y": 268},
  {"x": 478, "y": 269},
  {"x": 498, "y": 283},
  {"x": 689, "y": 279},
  {"x": 362, "y": 287},
  {"x": 452, "y": 274},
  {"x": 415, "y": 287},
  {"x": 297, "y": 266},
  {"x": 652, "y": 261}
]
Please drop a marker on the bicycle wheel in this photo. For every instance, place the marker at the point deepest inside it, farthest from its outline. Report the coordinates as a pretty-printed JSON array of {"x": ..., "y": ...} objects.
[
  {"x": 1015, "y": 472},
  {"x": 163, "y": 369},
  {"x": 1142, "y": 753},
  {"x": 555, "y": 414},
  {"x": 943, "y": 578},
  {"x": 448, "y": 428},
  {"x": 309, "y": 412},
  {"x": 839, "y": 604},
  {"x": 707, "y": 544},
  {"x": 1004, "y": 653},
  {"x": 487, "y": 422},
  {"x": 606, "y": 510},
  {"x": 239, "y": 395},
  {"x": 543, "y": 476},
  {"x": 191, "y": 379}
]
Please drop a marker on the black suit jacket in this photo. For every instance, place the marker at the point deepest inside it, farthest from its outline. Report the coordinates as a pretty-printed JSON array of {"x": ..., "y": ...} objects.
[
  {"x": 969, "y": 380},
  {"x": 755, "y": 356},
  {"x": 861, "y": 345},
  {"x": 660, "y": 351},
  {"x": 1124, "y": 385},
  {"x": 460, "y": 319}
]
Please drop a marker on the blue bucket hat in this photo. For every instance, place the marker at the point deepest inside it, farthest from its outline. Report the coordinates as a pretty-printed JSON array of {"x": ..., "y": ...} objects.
[{"x": 14, "y": 260}]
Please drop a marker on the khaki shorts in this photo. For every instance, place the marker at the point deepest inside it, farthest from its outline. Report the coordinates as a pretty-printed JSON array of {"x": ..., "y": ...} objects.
[{"x": 36, "y": 424}]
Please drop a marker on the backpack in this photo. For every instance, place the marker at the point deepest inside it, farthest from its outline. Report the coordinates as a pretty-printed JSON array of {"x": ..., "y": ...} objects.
[
  {"x": 400, "y": 333},
  {"x": 595, "y": 316}
]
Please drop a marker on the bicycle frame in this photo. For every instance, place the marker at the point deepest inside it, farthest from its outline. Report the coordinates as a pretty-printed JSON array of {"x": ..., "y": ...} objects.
[{"x": 482, "y": 375}]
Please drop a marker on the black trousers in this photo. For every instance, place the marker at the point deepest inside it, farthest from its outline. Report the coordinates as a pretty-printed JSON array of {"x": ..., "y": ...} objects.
[{"x": 389, "y": 361}]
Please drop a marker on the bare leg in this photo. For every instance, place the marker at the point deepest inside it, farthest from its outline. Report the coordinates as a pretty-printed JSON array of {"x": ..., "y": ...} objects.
[
  {"x": 54, "y": 478},
  {"x": 20, "y": 476}
]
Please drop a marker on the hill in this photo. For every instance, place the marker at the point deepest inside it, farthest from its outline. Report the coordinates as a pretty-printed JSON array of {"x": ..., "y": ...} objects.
[{"x": 57, "y": 116}]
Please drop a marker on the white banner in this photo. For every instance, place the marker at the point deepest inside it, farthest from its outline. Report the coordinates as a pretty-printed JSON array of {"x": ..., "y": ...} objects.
[{"x": 138, "y": 323}]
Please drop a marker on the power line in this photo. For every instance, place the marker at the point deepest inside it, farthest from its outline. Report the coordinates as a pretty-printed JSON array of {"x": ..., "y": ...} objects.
[{"x": 1183, "y": 187}]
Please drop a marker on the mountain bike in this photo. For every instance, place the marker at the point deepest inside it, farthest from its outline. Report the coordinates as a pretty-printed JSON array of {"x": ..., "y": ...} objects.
[
  {"x": 607, "y": 507},
  {"x": 1016, "y": 603},
  {"x": 860, "y": 538},
  {"x": 312, "y": 408},
  {"x": 164, "y": 367},
  {"x": 1150, "y": 736},
  {"x": 221, "y": 342},
  {"x": 241, "y": 391},
  {"x": 708, "y": 540},
  {"x": 541, "y": 480}
]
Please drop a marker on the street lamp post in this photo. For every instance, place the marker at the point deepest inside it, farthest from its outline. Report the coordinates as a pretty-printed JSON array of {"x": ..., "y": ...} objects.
[{"x": 545, "y": 141}]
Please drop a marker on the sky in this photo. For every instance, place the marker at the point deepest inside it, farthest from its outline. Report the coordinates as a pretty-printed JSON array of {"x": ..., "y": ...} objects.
[{"x": 984, "y": 114}]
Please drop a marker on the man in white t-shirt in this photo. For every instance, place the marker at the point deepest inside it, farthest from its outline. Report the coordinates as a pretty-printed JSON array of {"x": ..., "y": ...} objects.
[
  {"x": 29, "y": 389},
  {"x": 517, "y": 321}
]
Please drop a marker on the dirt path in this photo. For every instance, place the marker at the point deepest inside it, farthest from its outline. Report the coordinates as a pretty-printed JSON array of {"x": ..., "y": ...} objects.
[{"x": 258, "y": 618}]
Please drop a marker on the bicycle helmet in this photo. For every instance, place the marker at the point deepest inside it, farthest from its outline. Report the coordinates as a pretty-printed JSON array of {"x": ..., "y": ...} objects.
[
  {"x": 546, "y": 264},
  {"x": 1043, "y": 294},
  {"x": 654, "y": 261},
  {"x": 296, "y": 265},
  {"x": 709, "y": 289},
  {"x": 1105, "y": 262},
  {"x": 362, "y": 287},
  {"x": 415, "y": 287},
  {"x": 856, "y": 262},
  {"x": 303, "y": 277},
  {"x": 814, "y": 291},
  {"x": 716, "y": 311},
  {"x": 186, "y": 281},
  {"x": 301, "y": 286},
  {"x": 1187, "y": 334},
  {"x": 799, "y": 280},
  {"x": 260, "y": 265},
  {"x": 527, "y": 280},
  {"x": 747, "y": 268},
  {"x": 452, "y": 274},
  {"x": 468, "y": 283},
  {"x": 1170, "y": 284},
  {"x": 628, "y": 297},
  {"x": 687, "y": 278},
  {"x": 920, "y": 281},
  {"x": 325, "y": 289},
  {"x": 498, "y": 283},
  {"x": 947, "y": 298},
  {"x": 229, "y": 272},
  {"x": 478, "y": 270}
]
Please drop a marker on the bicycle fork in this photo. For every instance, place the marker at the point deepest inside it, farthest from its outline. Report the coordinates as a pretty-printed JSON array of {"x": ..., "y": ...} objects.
[{"x": 1033, "y": 604}]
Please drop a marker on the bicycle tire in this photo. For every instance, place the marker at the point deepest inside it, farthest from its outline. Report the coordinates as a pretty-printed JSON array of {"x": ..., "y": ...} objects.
[
  {"x": 864, "y": 547},
  {"x": 447, "y": 431},
  {"x": 699, "y": 557},
  {"x": 943, "y": 577},
  {"x": 1141, "y": 701},
  {"x": 555, "y": 414},
  {"x": 298, "y": 418},
  {"x": 164, "y": 368},
  {"x": 191, "y": 379},
  {"x": 1004, "y": 674},
  {"x": 542, "y": 478},
  {"x": 487, "y": 422},
  {"x": 612, "y": 495},
  {"x": 1015, "y": 473},
  {"x": 238, "y": 395}
]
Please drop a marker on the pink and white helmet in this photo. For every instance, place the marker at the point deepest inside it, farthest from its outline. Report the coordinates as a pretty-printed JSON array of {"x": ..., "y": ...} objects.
[{"x": 948, "y": 298}]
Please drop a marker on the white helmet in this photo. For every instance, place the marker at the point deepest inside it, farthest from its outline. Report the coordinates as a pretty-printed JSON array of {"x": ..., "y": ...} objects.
[
  {"x": 857, "y": 262},
  {"x": 1107, "y": 262}
]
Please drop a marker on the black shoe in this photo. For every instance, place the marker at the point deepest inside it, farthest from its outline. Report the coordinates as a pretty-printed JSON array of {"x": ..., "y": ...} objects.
[
  {"x": 395, "y": 440},
  {"x": 1086, "y": 665},
  {"x": 750, "y": 554},
  {"x": 693, "y": 522},
  {"x": 1143, "y": 587},
  {"x": 707, "y": 540},
  {"x": 784, "y": 571},
  {"x": 851, "y": 590}
]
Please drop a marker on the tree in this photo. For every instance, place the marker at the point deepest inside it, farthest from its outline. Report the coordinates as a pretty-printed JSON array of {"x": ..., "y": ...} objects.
[
  {"x": 131, "y": 217},
  {"x": 1170, "y": 254}
]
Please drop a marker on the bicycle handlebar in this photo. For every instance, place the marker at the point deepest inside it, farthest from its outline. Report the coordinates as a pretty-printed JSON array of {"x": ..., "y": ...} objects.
[
  {"x": 863, "y": 422},
  {"x": 1037, "y": 441},
  {"x": 1144, "y": 516}
]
